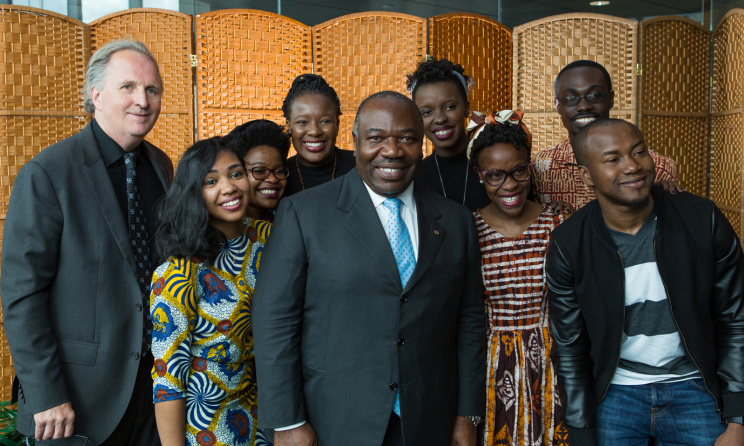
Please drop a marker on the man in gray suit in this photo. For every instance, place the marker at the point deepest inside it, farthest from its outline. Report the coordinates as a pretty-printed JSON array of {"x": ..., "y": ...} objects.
[
  {"x": 75, "y": 261},
  {"x": 368, "y": 314}
]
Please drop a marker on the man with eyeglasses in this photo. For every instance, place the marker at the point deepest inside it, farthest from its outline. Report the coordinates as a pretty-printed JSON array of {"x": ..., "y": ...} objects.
[{"x": 583, "y": 93}]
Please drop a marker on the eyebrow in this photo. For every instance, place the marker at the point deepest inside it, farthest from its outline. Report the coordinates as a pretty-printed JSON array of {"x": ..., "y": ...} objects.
[{"x": 587, "y": 88}]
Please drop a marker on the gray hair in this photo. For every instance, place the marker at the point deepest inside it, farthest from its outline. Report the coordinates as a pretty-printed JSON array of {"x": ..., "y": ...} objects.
[
  {"x": 384, "y": 95},
  {"x": 95, "y": 75}
]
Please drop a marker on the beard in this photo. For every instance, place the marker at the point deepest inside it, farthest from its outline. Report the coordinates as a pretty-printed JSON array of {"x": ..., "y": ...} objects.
[{"x": 641, "y": 203}]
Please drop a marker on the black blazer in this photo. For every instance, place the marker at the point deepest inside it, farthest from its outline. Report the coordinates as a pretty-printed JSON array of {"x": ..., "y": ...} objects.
[
  {"x": 71, "y": 304},
  {"x": 335, "y": 334}
]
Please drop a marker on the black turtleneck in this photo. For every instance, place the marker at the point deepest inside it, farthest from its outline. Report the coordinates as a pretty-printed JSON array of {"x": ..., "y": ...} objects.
[{"x": 451, "y": 174}]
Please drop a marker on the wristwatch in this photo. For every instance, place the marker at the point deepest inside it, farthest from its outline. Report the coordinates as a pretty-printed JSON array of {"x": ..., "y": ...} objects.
[
  {"x": 736, "y": 420},
  {"x": 476, "y": 420}
]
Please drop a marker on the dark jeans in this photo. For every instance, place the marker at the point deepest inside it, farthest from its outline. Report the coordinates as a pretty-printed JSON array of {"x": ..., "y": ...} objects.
[{"x": 679, "y": 413}]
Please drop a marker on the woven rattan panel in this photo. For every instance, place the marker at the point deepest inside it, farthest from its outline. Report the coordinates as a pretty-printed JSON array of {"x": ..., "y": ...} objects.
[
  {"x": 727, "y": 162},
  {"x": 543, "y": 47},
  {"x": 675, "y": 58},
  {"x": 483, "y": 47},
  {"x": 247, "y": 62},
  {"x": 43, "y": 71},
  {"x": 361, "y": 54},
  {"x": 728, "y": 62},
  {"x": 168, "y": 35}
]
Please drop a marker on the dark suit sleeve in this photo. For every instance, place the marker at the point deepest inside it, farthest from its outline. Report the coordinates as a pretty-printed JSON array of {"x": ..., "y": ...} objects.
[
  {"x": 571, "y": 348},
  {"x": 471, "y": 338},
  {"x": 727, "y": 306},
  {"x": 31, "y": 240},
  {"x": 277, "y": 322}
]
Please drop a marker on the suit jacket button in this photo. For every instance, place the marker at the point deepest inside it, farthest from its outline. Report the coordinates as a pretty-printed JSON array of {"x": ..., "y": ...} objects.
[
  {"x": 403, "y": 299},
  {"x": 135, "y": 355},
  {"x": 401, "y": 341},
  {"x": 393, "y": 386},
  {"x": 139, "y": 307}
]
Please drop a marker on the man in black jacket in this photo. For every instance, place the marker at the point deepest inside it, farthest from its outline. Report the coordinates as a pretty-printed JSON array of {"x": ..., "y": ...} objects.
[{"x": 645, "y": 292}]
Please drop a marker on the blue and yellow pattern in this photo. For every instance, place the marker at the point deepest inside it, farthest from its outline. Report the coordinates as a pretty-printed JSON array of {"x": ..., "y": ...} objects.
[{"x": 203, "y": 342}]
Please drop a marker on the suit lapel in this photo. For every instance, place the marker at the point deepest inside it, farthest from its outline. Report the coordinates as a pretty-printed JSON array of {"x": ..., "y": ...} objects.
[
  {"x": 364, "y": 224},
  {"x": 430, "y": 233},
  {"x": 95, "y": 169}
]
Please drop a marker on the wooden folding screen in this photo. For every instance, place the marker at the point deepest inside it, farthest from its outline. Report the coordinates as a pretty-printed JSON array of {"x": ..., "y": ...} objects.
[
  {"x": 674, "y": 95},
  {"x": 543, "y": 47},
  {"x": 361, "y": 54},
  {"x": 247, "y": 60},
  {"x": 168, "y": 35},
  {"x": 483, "y": 47},
  {"x": 727, "y": 119},
  {"x": 43, "y": 71}
]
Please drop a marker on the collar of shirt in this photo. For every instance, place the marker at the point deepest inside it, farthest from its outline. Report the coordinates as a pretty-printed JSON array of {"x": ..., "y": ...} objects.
[
  {"x": 407, "y": 211},
  {"x": 111, "y": 152}
]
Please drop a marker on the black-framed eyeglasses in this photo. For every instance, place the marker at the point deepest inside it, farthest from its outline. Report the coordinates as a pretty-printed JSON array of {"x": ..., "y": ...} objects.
[
  {"x": 77, "y": 440},
  {"x": 497, "y": 177},
  {"x": 591, "y": 98},
  {"x": 261, "y": 173}
]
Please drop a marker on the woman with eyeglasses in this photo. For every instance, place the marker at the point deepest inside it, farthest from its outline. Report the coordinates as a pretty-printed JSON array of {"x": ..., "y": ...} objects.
[
  {"x": 204, "y": 373},
  {"x": 522, "y": 405},
  {"x": 264, "y": 145}
]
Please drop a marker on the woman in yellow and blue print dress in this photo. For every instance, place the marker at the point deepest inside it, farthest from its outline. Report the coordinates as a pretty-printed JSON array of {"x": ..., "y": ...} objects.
[{"x": 204, "y": 373}]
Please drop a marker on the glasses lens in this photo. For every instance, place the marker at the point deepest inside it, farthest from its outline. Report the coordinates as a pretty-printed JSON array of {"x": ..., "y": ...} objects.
[
  {"x": 570, "y": 100},
  {"x": 593, "y": 98},
  {"x": 496, "y": 178},
  {"x": 521, "y": 173},
  {"x": 281, "y": 174},
  {"x": 260, "y": 173}
]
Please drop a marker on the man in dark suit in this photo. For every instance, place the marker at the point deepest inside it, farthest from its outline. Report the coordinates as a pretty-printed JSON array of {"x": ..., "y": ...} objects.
[
  {"x": 75, "y": 290},
  {"x": 368, "y": 314}
]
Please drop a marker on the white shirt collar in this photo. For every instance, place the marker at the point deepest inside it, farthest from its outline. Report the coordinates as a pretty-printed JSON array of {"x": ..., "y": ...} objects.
[{"x": 406, "y": 196}]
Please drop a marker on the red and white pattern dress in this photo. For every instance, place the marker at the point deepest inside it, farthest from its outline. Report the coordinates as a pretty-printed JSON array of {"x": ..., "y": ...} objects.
[{"x": 522, "y": 407}]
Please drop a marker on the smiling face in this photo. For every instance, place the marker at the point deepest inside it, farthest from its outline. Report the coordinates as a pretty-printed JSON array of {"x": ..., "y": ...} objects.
[
  {"x": 128, "y": 104},
  {"x": 313, "y": 126},
  {"x": 580, "y": 81},
  {"x": 388, "y": 145},
  {"x": 618, "y": 166},
  {"x": 509, "y": 199},
  {"x": 225, "y": 192},
  {"x": 264, "y": 194},
  {"x": 444, "y": 111}
]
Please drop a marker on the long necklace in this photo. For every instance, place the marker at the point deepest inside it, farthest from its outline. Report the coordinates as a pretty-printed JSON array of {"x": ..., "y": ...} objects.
[
  {"x": 467, "y": 171},
  {"x": 333, "y": 174}
]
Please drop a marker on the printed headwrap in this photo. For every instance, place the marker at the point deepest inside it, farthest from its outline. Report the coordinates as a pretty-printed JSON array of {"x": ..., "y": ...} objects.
[{"x": 478, "y": 122}]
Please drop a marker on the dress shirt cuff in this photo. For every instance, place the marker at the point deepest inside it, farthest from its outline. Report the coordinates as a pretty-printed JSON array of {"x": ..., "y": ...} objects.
[{"x": 286, "y": 428}]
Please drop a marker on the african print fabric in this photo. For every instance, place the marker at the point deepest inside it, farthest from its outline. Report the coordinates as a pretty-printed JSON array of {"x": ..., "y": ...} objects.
[
  {"x": 557, "y": 175},
  {"x": 203, "y": 341},
  {"x": 522, "y": 405}
]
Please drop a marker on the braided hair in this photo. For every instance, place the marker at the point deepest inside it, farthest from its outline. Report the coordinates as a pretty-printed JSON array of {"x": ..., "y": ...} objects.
[{"x": 309, "y": 84}]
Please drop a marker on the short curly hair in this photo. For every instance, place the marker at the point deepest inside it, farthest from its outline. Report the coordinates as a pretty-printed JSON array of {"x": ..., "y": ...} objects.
[
  {"x": 309, "y": 84},
  {"x": 437, "y": 70},
  {"x": 259, "y": 132}
]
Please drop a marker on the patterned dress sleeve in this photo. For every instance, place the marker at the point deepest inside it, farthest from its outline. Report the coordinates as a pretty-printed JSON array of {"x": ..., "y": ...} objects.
[
  {"x": 666, "y": 168},
  {"x": 173, "y": 306}
]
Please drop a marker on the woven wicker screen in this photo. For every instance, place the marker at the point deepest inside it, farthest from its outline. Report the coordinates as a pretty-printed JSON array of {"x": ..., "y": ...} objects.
[
  {"x": 247, "y": 60},
  {"x": 543, "y": 47},
  {"x": 727, "y": 120},
  {"x": 483, "y": 47},
  {"x": 674, "y": 92},
  {"x": 361, "y": 54},
  {"x": 168, "y": 35},
  {"x": 43, "y": 72}
]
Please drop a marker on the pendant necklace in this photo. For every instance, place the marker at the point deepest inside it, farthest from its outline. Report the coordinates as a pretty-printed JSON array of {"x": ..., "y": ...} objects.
[
  {"x": 333, "y": 174},
  {"x": 467, "y": 172}
]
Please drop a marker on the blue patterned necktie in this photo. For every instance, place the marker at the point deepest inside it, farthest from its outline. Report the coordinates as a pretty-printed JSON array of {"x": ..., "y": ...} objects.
[
  {"x": 405, "y": 259},
  {"x": 139, "y": 237}
]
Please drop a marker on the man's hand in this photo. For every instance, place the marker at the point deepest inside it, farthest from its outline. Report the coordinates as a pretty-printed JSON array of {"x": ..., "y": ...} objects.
[
  {"x": 55, "y": 423},
  {"x": 299, "y": 436},
  {"x": 464, "y": 433},
  {"x": 670, "y": 186},
  {"x": 733, "y": 436}
]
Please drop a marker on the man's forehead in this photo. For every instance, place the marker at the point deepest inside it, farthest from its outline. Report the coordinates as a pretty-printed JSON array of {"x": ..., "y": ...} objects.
[
  {"x": 618, "y": 136},
  {"x": 582, "y": 77},
  {"x": 385, "y": 109}
]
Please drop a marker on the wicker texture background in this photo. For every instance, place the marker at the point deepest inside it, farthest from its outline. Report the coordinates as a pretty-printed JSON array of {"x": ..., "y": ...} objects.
[
  {"x": 727, "y": 121},
  {"x": 168, "y": 35},
  {"x": 483, "y": 47},
  {"x": 543, "y": 47},
  {"x": 361, "y": 54},
  {"x": 247, "y": 60},
  {"x": 675, "y": 58}
]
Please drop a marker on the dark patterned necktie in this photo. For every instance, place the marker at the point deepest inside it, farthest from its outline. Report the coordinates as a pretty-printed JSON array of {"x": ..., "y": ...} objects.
[{"x": 139, "y": 237}]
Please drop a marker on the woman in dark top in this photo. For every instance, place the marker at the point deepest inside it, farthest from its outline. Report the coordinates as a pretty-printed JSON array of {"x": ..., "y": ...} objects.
[
  {"x": 312, "y": 110},
  {"x": 440, "y": 90},
  {"x": 264, "y": 145}
]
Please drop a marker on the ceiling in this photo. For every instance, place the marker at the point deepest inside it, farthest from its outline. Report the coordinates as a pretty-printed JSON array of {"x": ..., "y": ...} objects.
[{"x": 513, "y": 13}]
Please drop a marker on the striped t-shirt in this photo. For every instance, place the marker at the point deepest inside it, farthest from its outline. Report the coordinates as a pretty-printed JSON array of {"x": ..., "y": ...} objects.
[{"x": 651, "y": 348}]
